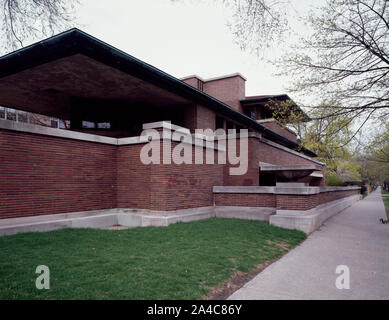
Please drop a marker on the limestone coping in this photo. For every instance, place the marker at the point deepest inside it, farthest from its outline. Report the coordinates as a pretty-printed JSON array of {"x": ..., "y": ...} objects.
[
  {"x": 68, "y": 134},
  {"x": 280, "y": 190},
  {"x": 165, "y": 125},
  {"x": 75, "y": 135},
  {"x": 270, "y": 167},
  {"x": 243, "y": 189}
]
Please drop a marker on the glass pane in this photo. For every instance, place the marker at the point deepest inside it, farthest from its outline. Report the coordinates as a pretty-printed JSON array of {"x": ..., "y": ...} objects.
[
  {"x": 104, "y": 125},
  {"x": 22, "y": 116},
  {"x": 2, "y": 112},
  {"x": 54, "y": 122},
  {"x": 88, "y": 124},
  {"x": 11, "y": 114}
]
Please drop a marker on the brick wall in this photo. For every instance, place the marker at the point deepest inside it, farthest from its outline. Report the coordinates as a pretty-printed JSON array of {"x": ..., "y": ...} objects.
[
  {"x": 229, "y": 90},
  {"x": 335, "y": 195},
  {"x": 245, "y": 199},
  {"x": 46, "y": 175},
  {"x": 164, "y": 186},
  {"x": 194, "y": 82},
  {"x": 133, "y": 178},
  {"x": 205, "y": 118},
  {"x": 262, "y": 152},
  {"x": 272, "y": 125},
  {"x": 307, "y": 202},
  {"x": 296, "y": 202},
  {"x": 175, "y": 187},
  {"x": 280, "y": 201}
]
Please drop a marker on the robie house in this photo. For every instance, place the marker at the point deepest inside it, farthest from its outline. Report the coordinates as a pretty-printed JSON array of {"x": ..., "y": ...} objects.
[{"x": 89, "y": 173}]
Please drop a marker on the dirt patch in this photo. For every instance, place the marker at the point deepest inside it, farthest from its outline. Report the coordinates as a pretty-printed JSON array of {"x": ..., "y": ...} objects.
[
  {"x": 239, "y": 279},
  {"x": 281, "y": 245}
]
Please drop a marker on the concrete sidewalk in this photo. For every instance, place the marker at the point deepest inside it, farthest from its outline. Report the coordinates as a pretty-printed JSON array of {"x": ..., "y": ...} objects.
[{"x": 354, "y": 238}]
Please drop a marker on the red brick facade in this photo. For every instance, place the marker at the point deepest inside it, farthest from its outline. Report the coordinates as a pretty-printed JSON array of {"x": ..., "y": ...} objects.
[
  {"x": 228, "y": 90},
  {"x": 42, "y": 174},
  {"x": 245, "y": 199},
  {"x": 272, "y": 125},
  {"x": 45, "y": 175},
  {"x": 163, "y": 186},
  {"x": 281, "y": 201},
  {"x": 262, "y": 152}
]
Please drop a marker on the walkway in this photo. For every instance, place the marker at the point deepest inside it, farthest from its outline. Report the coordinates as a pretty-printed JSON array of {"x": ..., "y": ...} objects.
[{"x": 354, "y": 238}]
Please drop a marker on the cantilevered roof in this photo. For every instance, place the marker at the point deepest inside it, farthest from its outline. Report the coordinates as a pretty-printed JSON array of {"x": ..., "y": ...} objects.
[
  {"x": 44, "y": 78},
  {"x": 279, "y": 97}
]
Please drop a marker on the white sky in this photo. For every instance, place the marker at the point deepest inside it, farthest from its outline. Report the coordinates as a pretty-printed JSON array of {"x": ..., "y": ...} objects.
[{"x": 182, "y": 38}]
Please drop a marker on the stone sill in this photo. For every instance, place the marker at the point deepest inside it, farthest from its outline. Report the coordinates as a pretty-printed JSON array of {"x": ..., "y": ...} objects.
[
  {"x": 75, "y": 135},
  {"x": 280, "y": 190}
]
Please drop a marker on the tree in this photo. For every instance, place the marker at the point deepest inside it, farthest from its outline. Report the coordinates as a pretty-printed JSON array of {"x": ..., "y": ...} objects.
[
  {"x": 344, "y": 60},
  {"x": 347, "y": 59},
  {"x": 257, "y": 24},
  {"x": 330, "y": 149},
  {"x": 374, "y": 159},
  {"x": 378, "y": 149},
  {"x": 25, "y": 20}
]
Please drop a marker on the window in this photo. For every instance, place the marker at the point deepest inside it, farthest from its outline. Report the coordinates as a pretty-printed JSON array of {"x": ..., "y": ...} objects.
[
  {"x": 11, "y": 114},
  {"x": 64, "y": 124},
  {"x": 54, "y": 122},
  {"x": 2, "y": 112},
  {"x": 219, "y": 123},
  {"x": 22, "y": 116},
  {"x": 253, "y": 114},
  {"x": 104, "y": 125},
  {"x": 88, "y": 125}
]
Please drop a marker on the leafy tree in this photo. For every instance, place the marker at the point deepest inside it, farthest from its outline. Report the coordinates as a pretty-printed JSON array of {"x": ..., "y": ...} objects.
[
  {"x": 24, "y": 20},
  {"x": 344, "y": 59},
  {"x": 330, "y": 149},
  {"x": 378, "y": 149},
  {"x": 375, "y": 157}
]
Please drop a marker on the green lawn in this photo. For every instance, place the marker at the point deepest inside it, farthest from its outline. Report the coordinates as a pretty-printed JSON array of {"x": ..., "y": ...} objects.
[
  {"x": 385, "y": 198},
  {"x": 182, "y": 261}
]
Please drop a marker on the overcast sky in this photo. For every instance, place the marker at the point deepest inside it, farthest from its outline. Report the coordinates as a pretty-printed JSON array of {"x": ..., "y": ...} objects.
[{"x": 182, "y": 38}]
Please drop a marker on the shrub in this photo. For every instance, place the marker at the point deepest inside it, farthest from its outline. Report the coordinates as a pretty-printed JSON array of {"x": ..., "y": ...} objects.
[{"x": 334, "y": 181}]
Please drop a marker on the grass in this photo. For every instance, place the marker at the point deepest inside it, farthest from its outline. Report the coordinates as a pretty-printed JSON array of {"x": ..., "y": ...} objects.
[
  {"x": 182, "y": 261},
  {"x": 385, "y": 198}
]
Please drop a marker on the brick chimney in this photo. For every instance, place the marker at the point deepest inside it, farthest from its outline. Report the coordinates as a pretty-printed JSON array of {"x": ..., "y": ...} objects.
[{"x": 229, "y": 89}]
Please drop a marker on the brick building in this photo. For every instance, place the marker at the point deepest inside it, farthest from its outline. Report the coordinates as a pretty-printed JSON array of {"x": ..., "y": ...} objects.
[{"x": 108, "y": 98}]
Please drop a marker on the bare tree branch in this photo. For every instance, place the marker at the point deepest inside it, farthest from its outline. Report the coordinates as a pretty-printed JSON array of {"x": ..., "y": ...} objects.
[{"x": 27, "y": 20}]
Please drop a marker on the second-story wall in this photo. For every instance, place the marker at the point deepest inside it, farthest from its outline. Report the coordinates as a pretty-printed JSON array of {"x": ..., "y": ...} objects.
[
  {"x": 229, "y": 89},
  {"x": 285, "y": 132}
]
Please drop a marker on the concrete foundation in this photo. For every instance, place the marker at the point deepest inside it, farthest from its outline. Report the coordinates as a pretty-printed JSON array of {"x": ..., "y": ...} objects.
[
  {"x": 246, "y": 213},
  {"x": 127, "y": 218},
  {"x": 310, "y": 220},
  {"x": 306, "y": 221}
]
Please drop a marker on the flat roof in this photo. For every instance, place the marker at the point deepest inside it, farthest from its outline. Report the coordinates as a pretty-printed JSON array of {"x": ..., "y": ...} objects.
[
  {"x": 253, "y": 100},
  {"x": 236, "y": 74}
]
